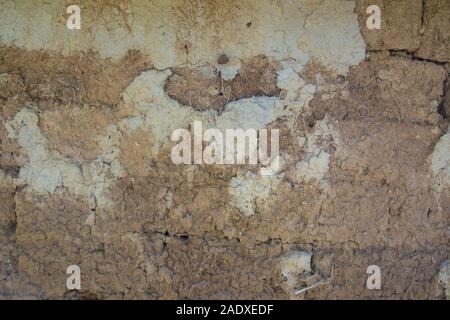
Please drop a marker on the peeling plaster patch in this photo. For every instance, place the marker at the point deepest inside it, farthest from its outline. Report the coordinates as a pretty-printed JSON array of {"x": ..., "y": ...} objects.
[
  {"x": 43, "y": 174},
  {"x": 342, "y": 44},
  {"x": 133, "y": 123},
  {"x": 253, "y": 113},
  {"x": 154, "y": 110},
  {"x": 296, "y": 93},
  {"x": 145, "y": 97},
  {"x": 315, "y": 164},
  {"x": 146, "y": 89},
  {"x": 440, "y": 162},
  {"x": 290, "y": 81},
  {"x": 161, "y": 114},
  {"x": 294, "y": 265},
  {"x": 246, "y": 190},
  {"x": 150, "y": 108},
  {"x": 281, "y": 29},
  {"x": 46, "y": 171},
  {"x": 229, "y": 70},
  {"x": 208, "y": 71}
]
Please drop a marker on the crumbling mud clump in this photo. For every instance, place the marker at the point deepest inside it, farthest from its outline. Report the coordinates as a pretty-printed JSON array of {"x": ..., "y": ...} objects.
[
  {"x": 206, "y": 88},
  {"x": 416, "y": 27},
  {"x": 87, "y": 177}
]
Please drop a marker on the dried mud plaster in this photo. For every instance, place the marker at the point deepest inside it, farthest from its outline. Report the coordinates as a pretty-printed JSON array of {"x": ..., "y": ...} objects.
[{"x": 86, "y": 178}]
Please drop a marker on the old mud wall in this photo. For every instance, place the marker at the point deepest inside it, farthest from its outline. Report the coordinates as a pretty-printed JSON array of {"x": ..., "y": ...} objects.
[{"x": 86, "y": 176}]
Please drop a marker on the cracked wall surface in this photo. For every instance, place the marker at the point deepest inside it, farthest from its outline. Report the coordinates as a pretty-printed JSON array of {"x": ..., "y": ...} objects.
[{"x": 86, "y": 175}]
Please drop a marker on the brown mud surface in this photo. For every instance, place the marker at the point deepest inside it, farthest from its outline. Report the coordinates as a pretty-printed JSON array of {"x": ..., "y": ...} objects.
[{"x": 86, "y": 176}]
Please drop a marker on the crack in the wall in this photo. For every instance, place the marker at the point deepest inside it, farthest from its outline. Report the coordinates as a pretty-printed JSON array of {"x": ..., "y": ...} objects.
[{"x": 444, "y": 105}]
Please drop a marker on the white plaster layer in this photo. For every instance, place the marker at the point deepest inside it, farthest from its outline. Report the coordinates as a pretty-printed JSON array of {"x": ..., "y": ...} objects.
[
  {"x": 176, "y": 32},
  {"x": 46, "y": 171},
  {"x": 294, "y": 265},
  {"x": 247, "y": 189},
  {"x": 315, "y": 164}
]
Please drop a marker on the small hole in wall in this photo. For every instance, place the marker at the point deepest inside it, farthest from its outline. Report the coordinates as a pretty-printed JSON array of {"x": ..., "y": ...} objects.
[
  {"x": 223, "y": 59},
  {"x": 249, "y": 24}
]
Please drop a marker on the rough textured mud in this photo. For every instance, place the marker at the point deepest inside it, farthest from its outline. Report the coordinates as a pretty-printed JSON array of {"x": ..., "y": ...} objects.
[
  {"x": 401, "y": 24},
  {"x": 86, "y": 176},
  {"x": 435, "y": 41}
]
